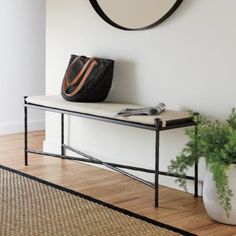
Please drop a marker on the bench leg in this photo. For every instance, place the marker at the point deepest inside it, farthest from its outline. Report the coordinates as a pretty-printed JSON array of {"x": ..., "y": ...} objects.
[
  {"x": 62, "y": 135},
  {"x": 196, "y": 164},
  {"x": 156, "y": 201},
  {"x": 26, "y": 132}
]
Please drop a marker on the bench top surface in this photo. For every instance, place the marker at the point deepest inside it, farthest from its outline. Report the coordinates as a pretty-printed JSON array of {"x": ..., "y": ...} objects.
[{"x": 106, "y": 109}]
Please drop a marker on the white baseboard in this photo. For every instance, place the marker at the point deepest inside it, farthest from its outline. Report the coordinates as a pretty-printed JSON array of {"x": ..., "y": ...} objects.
[
  {"x": 18, "y": 127},
  {"x": 51, "y": 146}
]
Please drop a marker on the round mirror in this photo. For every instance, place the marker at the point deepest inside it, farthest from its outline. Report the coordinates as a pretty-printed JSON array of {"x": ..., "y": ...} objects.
[{"x": 135, "y": 14}]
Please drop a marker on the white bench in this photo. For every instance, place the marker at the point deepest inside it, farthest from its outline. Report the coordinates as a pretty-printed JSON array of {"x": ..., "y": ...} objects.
[{"x": 106, "y": 112}]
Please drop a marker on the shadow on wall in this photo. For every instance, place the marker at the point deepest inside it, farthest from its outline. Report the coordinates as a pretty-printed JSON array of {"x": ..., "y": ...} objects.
[{"x": 124, "y": 86}]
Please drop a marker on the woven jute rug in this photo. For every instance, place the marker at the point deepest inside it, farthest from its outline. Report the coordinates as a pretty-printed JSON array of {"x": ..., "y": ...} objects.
[{"x": 30, "y": 206}]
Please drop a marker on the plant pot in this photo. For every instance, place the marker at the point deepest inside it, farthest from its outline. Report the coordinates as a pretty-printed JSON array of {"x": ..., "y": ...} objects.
[{"x": 210, "y": 199}]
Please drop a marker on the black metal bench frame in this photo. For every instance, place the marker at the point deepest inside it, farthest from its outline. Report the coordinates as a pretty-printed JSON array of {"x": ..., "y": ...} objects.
[{"x": 180, "y": 123}]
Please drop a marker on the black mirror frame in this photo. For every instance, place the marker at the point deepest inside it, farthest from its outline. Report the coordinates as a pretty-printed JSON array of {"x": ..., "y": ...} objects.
[{"x": 102, "y": 14}]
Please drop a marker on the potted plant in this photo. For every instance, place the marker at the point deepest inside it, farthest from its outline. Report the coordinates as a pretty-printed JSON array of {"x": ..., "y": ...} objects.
[{"x": 215, "y": 142}]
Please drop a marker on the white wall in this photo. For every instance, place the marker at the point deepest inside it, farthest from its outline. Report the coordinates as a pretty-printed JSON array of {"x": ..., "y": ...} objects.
[
  {"x": 188, "y": 62},
  {"x": 22, "y": 61}
]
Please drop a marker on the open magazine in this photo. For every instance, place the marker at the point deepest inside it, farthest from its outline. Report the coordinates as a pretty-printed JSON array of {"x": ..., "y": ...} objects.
[{"x": 155, "y": 110}]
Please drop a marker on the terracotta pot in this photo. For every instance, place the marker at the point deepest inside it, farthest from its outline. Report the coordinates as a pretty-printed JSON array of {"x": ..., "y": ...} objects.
[{"x": 210, "y": 199}]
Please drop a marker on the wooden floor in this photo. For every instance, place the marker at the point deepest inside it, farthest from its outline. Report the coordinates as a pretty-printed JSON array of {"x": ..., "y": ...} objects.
[{"x": 176, "y": 208}]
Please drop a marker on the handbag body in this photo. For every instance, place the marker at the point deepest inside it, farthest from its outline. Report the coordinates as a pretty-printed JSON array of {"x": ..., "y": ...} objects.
[{"x": 87, "y": 79}]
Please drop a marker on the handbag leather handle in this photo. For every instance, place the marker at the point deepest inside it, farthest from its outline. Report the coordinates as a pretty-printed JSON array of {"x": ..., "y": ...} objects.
[
  {"x": 75, "y": 80},
  {"x": 69, "y": 71},
  {"x": 88, "y": 67}
]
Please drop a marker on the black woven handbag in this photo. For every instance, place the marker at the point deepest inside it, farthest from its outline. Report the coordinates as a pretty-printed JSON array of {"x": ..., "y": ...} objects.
[{"x": 87, "y": 79}]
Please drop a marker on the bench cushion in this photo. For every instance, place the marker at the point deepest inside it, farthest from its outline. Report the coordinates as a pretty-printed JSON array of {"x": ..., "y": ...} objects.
[{"x": 106, "y": 109}]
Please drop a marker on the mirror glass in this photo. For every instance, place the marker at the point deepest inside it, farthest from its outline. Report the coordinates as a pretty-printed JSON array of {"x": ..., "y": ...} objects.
[{"x": 135, "y": 14}]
